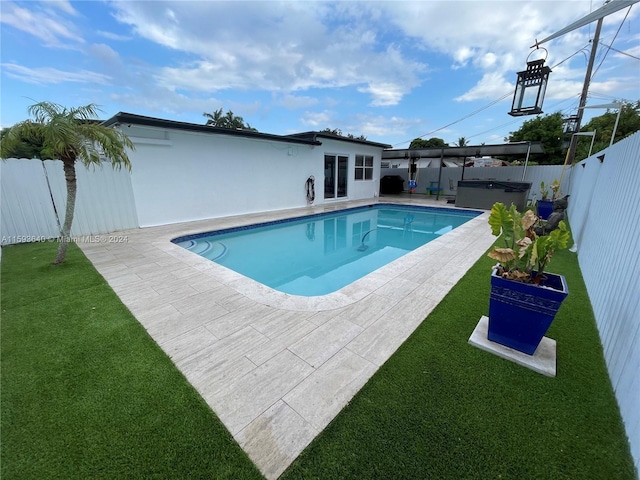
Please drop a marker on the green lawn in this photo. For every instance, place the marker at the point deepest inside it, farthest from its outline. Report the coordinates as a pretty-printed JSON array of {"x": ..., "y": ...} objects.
[
  {"x": 86, "y": 393},
  {"x": 440, "y": 408}
]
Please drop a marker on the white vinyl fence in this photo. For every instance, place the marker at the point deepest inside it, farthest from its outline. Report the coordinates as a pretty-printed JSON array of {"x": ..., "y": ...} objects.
[
  {"x": 603, "y": 213},
  {"x": 33, "y": 196},
  {"x": 27, "y": 208}
]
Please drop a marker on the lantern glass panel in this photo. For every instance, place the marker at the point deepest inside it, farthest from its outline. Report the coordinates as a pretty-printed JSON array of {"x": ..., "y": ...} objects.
[{"x": 530, "y": 97}]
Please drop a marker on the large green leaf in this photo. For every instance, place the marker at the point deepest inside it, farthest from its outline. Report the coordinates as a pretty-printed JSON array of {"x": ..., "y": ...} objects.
[
  {"x": 501, "y": 221},
  {"x": 559, "y": 238}
]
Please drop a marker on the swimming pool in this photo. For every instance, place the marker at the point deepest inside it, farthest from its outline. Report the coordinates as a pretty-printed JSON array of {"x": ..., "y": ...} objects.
[{"x": 321, "y": 253}]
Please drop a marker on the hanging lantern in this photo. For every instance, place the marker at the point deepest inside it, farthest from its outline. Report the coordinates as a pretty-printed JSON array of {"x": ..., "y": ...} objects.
[
  {"x": 571, "y": 124},
  {"x": 530, "y": 89}
]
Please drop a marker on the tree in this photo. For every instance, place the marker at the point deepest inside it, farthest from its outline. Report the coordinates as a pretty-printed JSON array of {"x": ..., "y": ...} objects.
[
  {"x": 603, "y": 126},
  {"x": 333, "y": 131},
  {"x": 359, "y": 137},
  {"x": 337, "y": 131},
  {"x": 25, "y": 147},
  {"x": 462, "y": 142},
  {"x": 215, "y": 119},
  {"x": 228, "y": 120},
  {"x": 422, "y": 143},
  {"x": 68, "y": 135},
  {"x": 546, "y": 129}
]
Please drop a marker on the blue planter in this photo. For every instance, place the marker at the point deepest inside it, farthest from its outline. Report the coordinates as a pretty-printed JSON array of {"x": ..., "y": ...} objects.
[
  {"x": 520, "y": 313},
  {"x": 545, "y": 208}
]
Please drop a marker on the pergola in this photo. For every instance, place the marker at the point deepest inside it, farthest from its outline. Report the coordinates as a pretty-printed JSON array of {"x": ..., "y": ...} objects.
[{"x": 505, "y": 150}]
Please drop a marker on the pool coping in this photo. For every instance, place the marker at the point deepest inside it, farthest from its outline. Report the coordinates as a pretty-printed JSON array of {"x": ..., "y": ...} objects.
[{"x": 277, "y": 368}]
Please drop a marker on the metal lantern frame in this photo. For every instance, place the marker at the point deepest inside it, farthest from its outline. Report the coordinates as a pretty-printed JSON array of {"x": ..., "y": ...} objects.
[
  {"x": 531, "y": 85},
  {"x": 571, "y": 124}
]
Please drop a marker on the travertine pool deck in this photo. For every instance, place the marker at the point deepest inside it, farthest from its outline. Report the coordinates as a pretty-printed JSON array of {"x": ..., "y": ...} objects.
[{"x": 277, "y": 368}]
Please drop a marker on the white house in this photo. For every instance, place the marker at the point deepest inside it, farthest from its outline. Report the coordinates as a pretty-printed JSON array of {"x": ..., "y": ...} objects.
[{"x": 184, "y": 171}]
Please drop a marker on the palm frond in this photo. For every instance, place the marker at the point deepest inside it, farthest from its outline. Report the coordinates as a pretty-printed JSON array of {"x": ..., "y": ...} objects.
[{"x": 71, "y": 134}]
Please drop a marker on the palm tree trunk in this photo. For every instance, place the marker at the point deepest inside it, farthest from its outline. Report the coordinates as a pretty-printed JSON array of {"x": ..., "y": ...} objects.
[{"x": 69, "y": 166}]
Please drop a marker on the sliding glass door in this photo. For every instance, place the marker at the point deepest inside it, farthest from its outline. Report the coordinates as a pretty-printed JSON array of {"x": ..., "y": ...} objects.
[{"x": 335, "y": 176}]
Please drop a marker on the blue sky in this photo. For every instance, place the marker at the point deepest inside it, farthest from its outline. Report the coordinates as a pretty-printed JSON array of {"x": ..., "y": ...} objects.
[{"x": 392, "y": 71}]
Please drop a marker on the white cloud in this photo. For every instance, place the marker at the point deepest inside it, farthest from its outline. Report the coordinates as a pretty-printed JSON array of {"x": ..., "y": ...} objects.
[
  {"x": 44, "y": 24},
  {"x": 318, "y": 120},
  {"x": 462, "y": 56},
  {"x": 64, "y": 6},
  {"x": 495, "y": 36},
  {"x": 270, "y": 58},
  {"x": 384, "y": 94},
  {"x": 294, "y": 102},
  {"x": 160, "y": 100},
  {"x": 609, "y": 88},
  {"x": 104, "y": 53},
  {"x": 633, "y": 51},
  {"x": 381, "y": 126},
  {"x": 287, "y": 47},
  {"x": 492, "y": 85},
  {"x": 488, "y": 60},
  {"x": 49, "y": 75},
  {"x": 113, "y": 36}
]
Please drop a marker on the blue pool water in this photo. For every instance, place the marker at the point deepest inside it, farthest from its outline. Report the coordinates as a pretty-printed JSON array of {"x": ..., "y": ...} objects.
[{"x": 322, "y": 253}]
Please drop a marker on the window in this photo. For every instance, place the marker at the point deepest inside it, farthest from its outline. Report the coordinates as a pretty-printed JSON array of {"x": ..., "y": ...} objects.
[
  {"x": 385, "y": 164},
  {"x": 364, "y": 167}
]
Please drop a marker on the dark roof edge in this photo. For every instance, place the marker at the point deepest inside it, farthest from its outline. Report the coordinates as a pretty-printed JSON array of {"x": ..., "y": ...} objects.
[
  {"x": 504, "y": 149},
  {"x": 130, "y": 118},
  {"x": 333, "y": 136}
]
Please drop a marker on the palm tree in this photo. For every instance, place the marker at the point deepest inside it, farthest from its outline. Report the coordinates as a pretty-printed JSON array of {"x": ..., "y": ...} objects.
[
  {"x": 462, "y": 142},
  {"x": 228, "y": 120},
  {"x": 68, "y": 135},
  {"x": 216, "y": 119},
  {"x": 231, "y": 121}
]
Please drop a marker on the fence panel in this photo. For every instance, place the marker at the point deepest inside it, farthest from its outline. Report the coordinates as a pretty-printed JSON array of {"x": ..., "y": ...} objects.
[
  {"x": 104, "y": 201},
  {"x": 603, "y": 210},
  {"x": 34, "y": 200},
  {"x": 26, "y": 210}
]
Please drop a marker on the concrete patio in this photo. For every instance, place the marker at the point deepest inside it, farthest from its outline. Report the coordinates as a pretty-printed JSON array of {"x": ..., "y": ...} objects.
[{"x": 277, "y": 368}]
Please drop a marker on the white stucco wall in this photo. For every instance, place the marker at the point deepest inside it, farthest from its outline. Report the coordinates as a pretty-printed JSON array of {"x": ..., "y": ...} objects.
[{"x": 183, "y": 176}]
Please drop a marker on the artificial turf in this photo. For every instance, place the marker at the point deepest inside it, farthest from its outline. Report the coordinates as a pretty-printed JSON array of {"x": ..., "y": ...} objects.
[
  {"x": 86, "y": 393},
  {"x": 440, "y": 408}
]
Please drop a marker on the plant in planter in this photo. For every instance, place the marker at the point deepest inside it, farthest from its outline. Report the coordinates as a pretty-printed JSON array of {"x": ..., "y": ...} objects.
[
  {"x": 545, "y": 204},
  {"x": 524, "y": 298}
]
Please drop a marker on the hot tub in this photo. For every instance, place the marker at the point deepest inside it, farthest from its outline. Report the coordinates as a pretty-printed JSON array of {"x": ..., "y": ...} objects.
[{"x": 484, "y": 193}]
